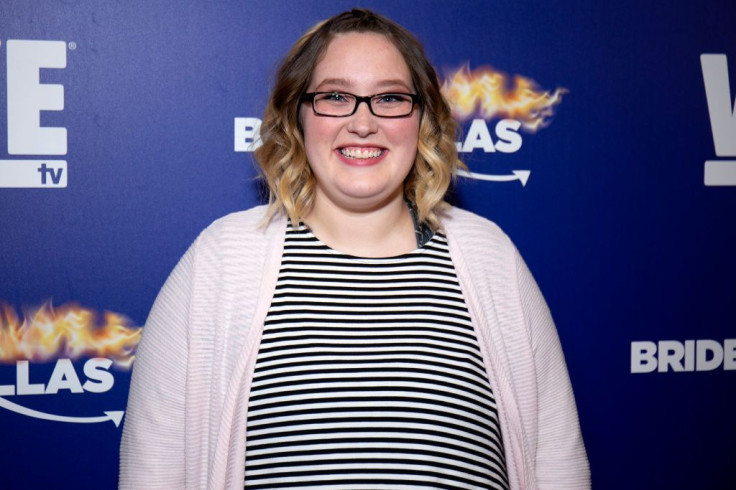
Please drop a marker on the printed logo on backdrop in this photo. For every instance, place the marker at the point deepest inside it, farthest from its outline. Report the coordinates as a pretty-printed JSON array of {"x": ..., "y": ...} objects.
[
  {"x": 27, "y": 98},
  {"x": 494, "y": 111},
  {"x": 722, "y": 112},
  {"x": 63, "y": 358},
  {"x": 688, "y": 356}
]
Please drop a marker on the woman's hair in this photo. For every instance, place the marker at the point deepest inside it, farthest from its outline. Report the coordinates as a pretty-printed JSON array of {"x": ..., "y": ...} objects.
[{"x": 282, "y": 156}]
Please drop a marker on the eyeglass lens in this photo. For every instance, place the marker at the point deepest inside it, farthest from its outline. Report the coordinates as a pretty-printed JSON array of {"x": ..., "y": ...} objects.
[{"x": 344, "y": 104}]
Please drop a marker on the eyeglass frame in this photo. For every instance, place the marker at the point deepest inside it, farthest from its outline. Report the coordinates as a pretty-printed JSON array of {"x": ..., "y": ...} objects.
[{"x": 310, "y": 96}]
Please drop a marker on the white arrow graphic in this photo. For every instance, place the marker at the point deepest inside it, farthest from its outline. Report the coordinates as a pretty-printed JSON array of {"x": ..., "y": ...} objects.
[
  {"x": 520, "y": 175},
  {"x": 114, "y": 416}
]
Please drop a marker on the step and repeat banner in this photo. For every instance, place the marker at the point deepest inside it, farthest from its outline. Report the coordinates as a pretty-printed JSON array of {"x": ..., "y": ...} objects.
[{"x": 600, "y": 136}]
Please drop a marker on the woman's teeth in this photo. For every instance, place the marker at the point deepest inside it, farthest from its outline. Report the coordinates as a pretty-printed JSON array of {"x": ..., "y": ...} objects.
[{"x": 360, "y": 153}]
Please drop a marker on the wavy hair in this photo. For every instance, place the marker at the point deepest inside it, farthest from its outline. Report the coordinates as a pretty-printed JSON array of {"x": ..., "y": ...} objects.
[{"x": 282, "y": 156}]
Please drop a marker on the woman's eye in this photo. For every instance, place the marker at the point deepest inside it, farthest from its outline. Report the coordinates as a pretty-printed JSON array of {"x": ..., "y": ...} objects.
[
  {"x": 334, "y": 97},
  {"x": 391, "y": 98}
]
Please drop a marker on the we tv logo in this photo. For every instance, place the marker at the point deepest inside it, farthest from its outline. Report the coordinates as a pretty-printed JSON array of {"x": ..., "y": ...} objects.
[
  {"x": 27, "y": 97},
  {"x": 722, "y": 112}
]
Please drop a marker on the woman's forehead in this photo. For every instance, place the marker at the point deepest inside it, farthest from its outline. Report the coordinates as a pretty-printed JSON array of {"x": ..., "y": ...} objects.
[{"x": 357, "y": 59}]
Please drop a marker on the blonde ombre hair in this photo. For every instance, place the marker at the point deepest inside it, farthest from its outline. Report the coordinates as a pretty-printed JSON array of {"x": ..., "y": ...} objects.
[{"x": 282, "y": 156}]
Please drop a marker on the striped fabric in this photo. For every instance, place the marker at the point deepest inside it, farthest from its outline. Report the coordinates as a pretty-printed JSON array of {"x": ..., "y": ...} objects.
[{"x": 369, "y": 376}]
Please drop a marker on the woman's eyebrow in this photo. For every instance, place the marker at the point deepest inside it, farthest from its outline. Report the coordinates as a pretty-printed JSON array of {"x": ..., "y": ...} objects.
[
  {"x": 335, "y": 82},
  {"x": 345, "y": 84},
  {"x": 394, "y": 83}
]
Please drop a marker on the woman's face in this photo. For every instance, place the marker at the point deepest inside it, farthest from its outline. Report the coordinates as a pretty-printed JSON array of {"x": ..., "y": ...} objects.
[{"x": 360, "y": 161}]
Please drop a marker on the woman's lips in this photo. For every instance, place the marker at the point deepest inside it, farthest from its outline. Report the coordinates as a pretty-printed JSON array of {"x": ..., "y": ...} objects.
[{"x": 355, "y": 155}]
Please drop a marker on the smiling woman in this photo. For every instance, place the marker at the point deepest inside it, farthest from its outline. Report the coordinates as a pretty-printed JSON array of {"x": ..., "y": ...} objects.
[
  {"x": 358, "y": 332},
  {"x": 360, "y": 161}
]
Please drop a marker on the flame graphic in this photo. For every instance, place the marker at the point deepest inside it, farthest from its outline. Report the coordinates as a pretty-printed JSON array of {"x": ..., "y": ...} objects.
[
  {"x": 68, "y": 331},
  {"x": 486, "y": 93}
]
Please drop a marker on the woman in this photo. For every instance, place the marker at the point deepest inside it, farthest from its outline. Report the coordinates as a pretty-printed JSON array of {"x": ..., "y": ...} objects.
[{"x": 357, "y": 332}]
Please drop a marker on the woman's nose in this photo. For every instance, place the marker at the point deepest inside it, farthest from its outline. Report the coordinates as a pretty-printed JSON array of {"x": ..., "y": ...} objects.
[{"x": 363, "y": 122}]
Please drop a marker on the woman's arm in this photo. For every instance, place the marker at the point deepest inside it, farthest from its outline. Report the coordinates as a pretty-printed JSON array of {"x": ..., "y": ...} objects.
[
  {"x": 561, "y": 461},
  {"x": 152, "y": 448}
]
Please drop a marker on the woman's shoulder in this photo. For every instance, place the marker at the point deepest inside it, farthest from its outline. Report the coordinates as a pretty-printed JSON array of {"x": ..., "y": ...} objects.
[
  {"x": 239, "y": 235},
  {"x": 469, "y": 229},
  {"x": 480, "y": 248},
  {"x": 251, "y": 220},
  {"x": 250, "y": 224}
]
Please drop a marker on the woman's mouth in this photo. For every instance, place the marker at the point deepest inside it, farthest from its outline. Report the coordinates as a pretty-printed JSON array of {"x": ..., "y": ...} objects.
[{"x": 361, "y": 153}]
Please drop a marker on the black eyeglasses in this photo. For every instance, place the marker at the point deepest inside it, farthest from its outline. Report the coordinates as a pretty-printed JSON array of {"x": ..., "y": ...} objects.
[{"x": 343, "y": 104}]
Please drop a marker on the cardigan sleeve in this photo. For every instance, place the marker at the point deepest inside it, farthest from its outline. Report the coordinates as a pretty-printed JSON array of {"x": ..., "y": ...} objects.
[
  {"x": 152, "y": 448},
  {"x": 561, "y": 461}
]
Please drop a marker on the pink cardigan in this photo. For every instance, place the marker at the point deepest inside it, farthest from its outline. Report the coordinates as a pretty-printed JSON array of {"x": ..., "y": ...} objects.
[{"x": 187, "y": 408}]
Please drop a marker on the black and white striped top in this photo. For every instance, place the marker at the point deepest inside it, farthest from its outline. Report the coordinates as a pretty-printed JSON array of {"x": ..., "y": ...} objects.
[{"x": 369, "y": 376}]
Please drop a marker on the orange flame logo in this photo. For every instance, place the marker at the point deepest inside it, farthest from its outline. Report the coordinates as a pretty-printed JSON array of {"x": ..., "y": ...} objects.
[
  {"x": 68, "y": 331},
  {"x": 487, "y": 93}
]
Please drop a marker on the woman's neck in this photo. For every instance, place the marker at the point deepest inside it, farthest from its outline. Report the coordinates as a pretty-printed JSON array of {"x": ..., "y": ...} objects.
[{"x": 384, "y": 232}]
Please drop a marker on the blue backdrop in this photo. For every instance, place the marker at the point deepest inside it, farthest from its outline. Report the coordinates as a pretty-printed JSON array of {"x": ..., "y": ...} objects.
[{"x": 631, "y": 239}]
